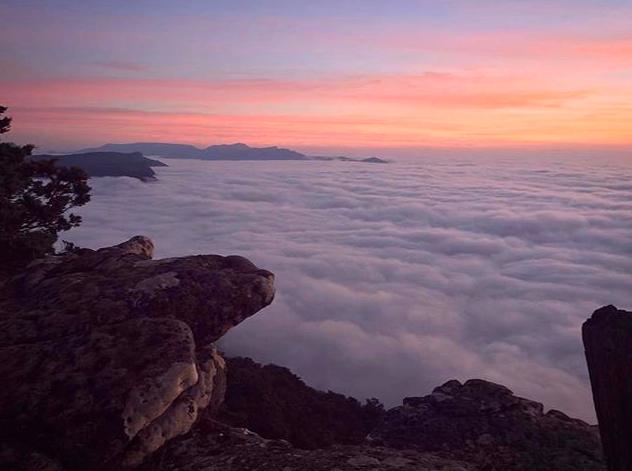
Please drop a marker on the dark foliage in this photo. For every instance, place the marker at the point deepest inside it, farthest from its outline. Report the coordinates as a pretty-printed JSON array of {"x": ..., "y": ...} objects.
[
  {"x": 275, "y": 403},
  {"x": 35, "y": 197},
  {"x": 5, "y": 121}
]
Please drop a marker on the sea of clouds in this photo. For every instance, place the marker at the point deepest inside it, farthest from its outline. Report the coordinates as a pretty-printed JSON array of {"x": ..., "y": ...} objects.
[{"x": 395, "y": 278}]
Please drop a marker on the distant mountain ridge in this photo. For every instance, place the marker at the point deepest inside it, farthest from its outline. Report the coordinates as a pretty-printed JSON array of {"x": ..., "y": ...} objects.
[
  {"x": 237, "y": 151},
  {"x": 216, "y": 152},
  {"x": 368, "y": 160}
]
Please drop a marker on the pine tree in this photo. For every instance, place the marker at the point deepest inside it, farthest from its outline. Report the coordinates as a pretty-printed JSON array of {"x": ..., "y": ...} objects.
[{"x": 35, "y": 200}]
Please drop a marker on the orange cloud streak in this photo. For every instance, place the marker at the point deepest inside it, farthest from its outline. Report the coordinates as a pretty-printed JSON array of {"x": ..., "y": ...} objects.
[
  {"x": 102, "y": 125},
  {"x": 404, "y": 110},
  {"x": 433, "y": 89}
]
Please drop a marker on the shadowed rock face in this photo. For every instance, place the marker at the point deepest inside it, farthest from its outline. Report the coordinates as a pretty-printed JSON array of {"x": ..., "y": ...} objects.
[
  {"x": 476, "y": 426},
  {"x": 607, "y": 339},
  {"x": 485, "y": 424},
  {"x": 212, "y": 446},
  {"x": 107, "y": 354},
  {"x": 107, "y": 363}
]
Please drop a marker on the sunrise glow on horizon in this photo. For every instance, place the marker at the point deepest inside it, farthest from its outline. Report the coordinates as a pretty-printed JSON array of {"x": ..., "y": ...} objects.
[{"x": 394, "y": 74}]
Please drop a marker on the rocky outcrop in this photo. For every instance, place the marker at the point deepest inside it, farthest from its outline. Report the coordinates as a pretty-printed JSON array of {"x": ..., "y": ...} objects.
[
  {"x": 487, "y": 425},
  {"x": 607, "y": 339},
  {"x": 108, "y": 363},
  {"x": 213, "y": 446},
  {"x": 476, "y": 426},
  {"x": 106, "y": 355}
]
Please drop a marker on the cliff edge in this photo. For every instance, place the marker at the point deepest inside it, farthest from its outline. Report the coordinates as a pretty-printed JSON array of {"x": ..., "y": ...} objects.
[
  {"x": 108, "y": 363},
  {"x": 108, "y": 354}
]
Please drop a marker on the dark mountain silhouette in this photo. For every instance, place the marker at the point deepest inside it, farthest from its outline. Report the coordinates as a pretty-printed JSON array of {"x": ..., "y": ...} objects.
[
  {"x": 108, "y": 164},
  {"x": 374, "y": 160},
  {"x": 237, "y": 151},
  {"x": 341, "y": 158},
  {"x": 244, "y": 152},
  {"x": 183, "y": 151},
  {"x": 218, "y": 152}
]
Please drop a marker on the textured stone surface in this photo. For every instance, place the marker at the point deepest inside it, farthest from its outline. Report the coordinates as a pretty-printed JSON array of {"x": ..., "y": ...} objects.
[
  {"x": 476, "y": 426},
  {"x": 107, "y": 363},
  {"x": 107, "y": 354},
  {"x": 485, "y": 424},
  {"x": 216, "y": 447},
  {"x": 608, "y": 342}
]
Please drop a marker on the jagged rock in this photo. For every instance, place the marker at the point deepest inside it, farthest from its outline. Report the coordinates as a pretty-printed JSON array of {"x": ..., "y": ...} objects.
[
  {"x": 476, "y": 426},
  {"x": 212, "y": 446},
  {"x": 607, "y": 339},
  {"x": 105, "y": 355},
  {"x": 108, "y": 363},
  {"x": 485, "y": 424}
]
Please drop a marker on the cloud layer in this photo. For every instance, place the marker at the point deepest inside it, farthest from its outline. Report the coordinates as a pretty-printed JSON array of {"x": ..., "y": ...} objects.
[{"x": 395, "y": 278}]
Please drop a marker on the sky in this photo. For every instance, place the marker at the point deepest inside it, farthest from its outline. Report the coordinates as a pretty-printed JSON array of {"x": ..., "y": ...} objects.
[{"x": 319, "y": 76}]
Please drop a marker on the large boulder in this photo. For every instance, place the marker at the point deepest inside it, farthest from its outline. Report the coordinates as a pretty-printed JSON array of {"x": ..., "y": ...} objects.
[
  {"x": 486, "y": 424},
  {"x": 608, "y": 342},
  {"x": 105, "y": 355}
]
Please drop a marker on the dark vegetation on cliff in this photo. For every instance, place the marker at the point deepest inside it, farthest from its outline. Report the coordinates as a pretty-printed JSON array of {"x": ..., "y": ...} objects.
[
  {"x": 35, "y": 199},
  {"x": 478, "y": 422},
  {"x": 275, "y": 403}
]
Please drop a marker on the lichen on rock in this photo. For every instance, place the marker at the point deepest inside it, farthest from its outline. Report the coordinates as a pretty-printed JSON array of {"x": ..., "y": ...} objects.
[
  {"x": 485, "y": 424},
  {"x": 109, "y": 354}
]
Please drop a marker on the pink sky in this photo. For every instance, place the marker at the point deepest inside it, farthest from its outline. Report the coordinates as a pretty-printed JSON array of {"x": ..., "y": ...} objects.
[{"x": 319, "y": 77}]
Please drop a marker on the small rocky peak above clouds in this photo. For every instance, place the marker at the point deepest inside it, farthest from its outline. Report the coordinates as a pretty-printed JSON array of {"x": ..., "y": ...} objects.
[{"x": 486, "y": 424}]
